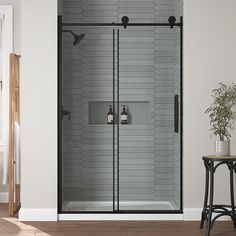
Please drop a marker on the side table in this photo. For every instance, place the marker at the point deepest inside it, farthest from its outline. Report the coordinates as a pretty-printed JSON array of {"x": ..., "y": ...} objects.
[{"x": 211, "y": 164}]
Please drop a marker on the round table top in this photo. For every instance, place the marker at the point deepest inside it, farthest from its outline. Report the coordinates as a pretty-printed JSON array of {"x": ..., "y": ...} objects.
[{"x": 219, "y": 158}]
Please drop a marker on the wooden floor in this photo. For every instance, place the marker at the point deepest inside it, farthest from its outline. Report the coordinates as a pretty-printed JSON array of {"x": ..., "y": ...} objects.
[{"x": 12, "y": 227}]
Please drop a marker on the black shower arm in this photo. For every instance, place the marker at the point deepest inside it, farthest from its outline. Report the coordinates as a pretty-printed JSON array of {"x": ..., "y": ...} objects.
[{"x": 68, "y": 31}]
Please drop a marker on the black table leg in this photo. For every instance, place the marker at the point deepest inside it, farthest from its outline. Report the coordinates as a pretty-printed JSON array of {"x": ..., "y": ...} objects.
[
  {"x": 233, "y": 216},
  {"x": 211, "y": 198},
  {"x": 204, "y": 211}
]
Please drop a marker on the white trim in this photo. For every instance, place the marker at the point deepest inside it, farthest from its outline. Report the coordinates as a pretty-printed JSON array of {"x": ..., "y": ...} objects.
[
  {"x": 3, "y": 197},
  {"x": 7, "y": 40},
  {"x": 192, "y": 214},
  {"x": 38, "y": 214},
  {"x": 1, "y": 147},
  {"x": 120, "y": 217},
  {"x": 7, "y": 12},
  {"x": 50, "y": 214}
]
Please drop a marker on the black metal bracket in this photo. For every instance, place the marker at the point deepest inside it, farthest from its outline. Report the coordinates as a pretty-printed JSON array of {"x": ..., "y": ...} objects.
[
  {"x": 125, "y": 21},
  {"x": 172, "y": 21}
]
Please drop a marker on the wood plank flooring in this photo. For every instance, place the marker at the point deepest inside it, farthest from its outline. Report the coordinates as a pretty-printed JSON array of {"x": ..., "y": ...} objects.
[{"x": 12, "y": 227}]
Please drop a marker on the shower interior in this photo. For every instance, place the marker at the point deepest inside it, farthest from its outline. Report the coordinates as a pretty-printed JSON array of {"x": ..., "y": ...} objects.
[{"x": 134, "y": 167}]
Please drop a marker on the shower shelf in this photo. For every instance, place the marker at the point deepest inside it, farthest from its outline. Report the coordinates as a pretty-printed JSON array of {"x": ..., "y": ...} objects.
[{"x": 138, "y": 112}]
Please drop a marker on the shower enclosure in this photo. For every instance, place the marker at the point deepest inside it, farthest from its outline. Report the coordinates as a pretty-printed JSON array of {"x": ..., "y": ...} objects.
[{"x": 133, "y": 167}]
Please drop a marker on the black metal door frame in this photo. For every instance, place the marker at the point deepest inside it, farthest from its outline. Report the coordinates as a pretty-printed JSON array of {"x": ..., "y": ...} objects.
[
  {"x": 59, "y": 114},
  {"x": 116, "y": 126}
]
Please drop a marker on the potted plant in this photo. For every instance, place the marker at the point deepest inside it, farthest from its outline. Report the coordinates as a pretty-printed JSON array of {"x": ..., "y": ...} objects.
[{"x": 222, "y": 116}]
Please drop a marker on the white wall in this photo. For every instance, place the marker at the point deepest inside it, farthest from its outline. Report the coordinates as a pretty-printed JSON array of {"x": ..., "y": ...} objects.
[
  {"x": 209, "y": 57},
  {"x": 39, "y": 105},
  {"x": 16, "y": 46},
  {"x": 17, "y": 21}
]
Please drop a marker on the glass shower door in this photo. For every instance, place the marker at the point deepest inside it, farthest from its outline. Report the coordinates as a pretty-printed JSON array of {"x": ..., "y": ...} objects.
[
  {"x": 87, "y": 138},
  {"x": 133, "y": 163},
  {"x": 149, "y": 141}
]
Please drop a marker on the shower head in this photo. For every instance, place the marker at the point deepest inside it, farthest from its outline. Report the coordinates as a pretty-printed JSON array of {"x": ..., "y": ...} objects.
[{"x": 77, "y": 38}]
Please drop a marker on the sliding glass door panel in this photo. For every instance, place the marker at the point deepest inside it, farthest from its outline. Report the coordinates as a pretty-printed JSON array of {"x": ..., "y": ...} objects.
[
  {"x": 87, "y": 155},
  {"x": 149, "y": 142}
]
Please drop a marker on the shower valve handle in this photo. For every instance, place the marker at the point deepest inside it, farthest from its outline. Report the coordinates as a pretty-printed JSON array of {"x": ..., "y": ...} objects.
[{"x": 65, "y": 113}]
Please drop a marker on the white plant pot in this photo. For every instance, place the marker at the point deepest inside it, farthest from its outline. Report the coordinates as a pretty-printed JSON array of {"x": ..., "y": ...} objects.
[{"x": 222, "y": 148}]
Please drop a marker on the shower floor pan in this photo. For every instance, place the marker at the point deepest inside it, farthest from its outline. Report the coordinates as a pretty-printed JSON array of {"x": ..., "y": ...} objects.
[{"x": 124, "y": 205}]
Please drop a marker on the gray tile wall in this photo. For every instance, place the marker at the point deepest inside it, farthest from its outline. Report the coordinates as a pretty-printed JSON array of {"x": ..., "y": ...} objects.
[{"x": 149, "y": 72}]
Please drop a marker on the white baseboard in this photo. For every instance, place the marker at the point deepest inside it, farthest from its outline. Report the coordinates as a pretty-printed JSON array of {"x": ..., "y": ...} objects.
[
  {"x": 3, "y": 197},
  {"x": 192, "y": 214},
  {"x": 50, "y": 214},
  {"x": 38, "y": 214}
]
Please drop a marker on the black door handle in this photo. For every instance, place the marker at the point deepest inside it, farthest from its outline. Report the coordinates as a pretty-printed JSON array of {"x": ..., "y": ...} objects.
[{"x": 176, "y": 113}]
